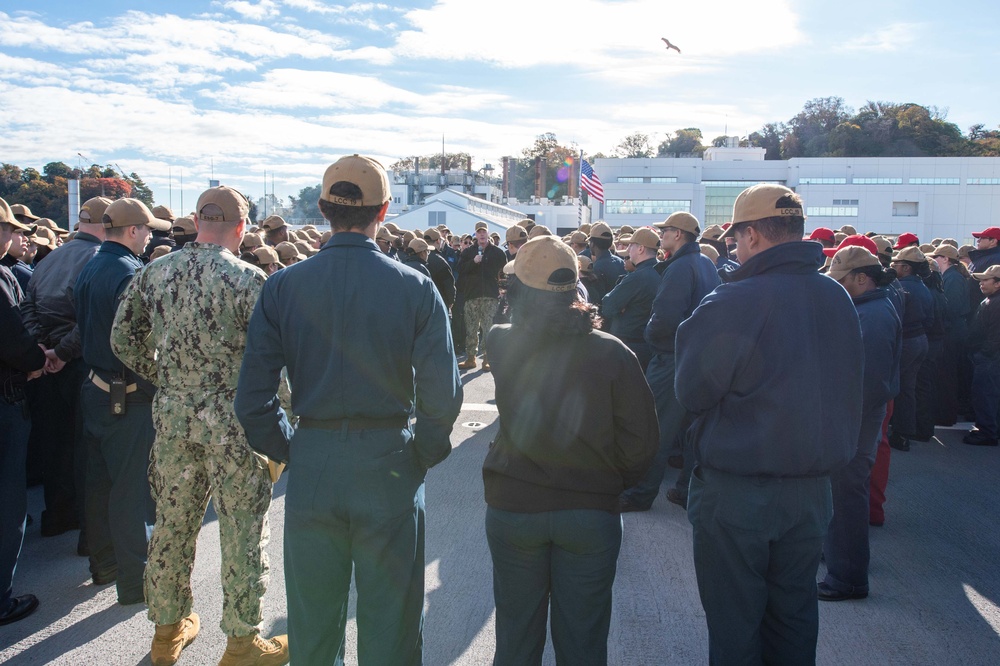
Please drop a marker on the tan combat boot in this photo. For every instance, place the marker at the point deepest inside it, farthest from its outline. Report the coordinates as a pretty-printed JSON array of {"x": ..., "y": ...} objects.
[
  {"x": 469, "y": 363},
  {"x": 486, "y": 364},
  {"x": 170, "y": 639},
  {"x": 256, "y": 651}
]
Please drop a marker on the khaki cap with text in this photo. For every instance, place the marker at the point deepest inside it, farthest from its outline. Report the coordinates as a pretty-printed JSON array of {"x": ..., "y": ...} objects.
[
  {"x": 365, "y": 172},
  {"x": 761, "y": 202},
  {"x": 228, "y": 205}
]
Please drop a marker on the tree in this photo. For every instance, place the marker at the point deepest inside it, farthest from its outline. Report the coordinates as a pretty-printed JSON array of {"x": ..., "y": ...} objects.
[
  {"x": 683, "y": 141},
  {"x": 634, "y": 145},
  {"x": 809, "y": 130},
  {"x": 560, "y": 167},
  {"x": 140, "y": 190},
  {"x": 54, "y": 170},
  {"x": 304, "y": 205}
]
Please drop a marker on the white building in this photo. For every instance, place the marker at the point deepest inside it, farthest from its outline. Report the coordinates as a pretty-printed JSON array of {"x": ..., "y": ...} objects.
[{"x": 930, "y": 196}]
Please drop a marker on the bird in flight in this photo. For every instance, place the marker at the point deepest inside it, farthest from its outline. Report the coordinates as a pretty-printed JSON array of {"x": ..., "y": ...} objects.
[{"x": 669, "y": 45}]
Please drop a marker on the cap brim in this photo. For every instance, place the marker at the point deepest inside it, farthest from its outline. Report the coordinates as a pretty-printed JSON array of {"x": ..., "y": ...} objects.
[
  {"x": 157, "y": 224},
  {"x": 728, "y": 233},
  {"x": 830, "y": 251},
  {"x": 508, "y": 268},
  {"x": 20, "y": 226}
]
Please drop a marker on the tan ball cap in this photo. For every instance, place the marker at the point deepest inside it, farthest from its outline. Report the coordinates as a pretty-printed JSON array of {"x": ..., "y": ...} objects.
[
  {"x": 44, "y": 237},
  {"x": 946, "y": 251},
  {"x": 362, "y": 171},
  {"x": 418, "y": 245},
  {"x": 761, "y": 202},
  {"x": 911, "y": 254},
  {"x": 287, "y": 252},
  {"x": 7, "y": 217},
  {"x": 21, "y": 209},
  {"x": 547, "y": 264},
  {"x": 228, "y": 205},
  {"x": 710, "y": 252},
  {"x": 273, "y": 222},
  {"x": 250, "y": 241},
  {"x": 849, "y": 258},
  {"x": 991, "y": 273},
  {"x": 432, "y": 235},
  {"x": 159, "y": 251},
  {"x": 131, "y": 213},
  {"x": 184, "y": 226},
  {"x": 163, "y": 213},
  {"x": 601, "y": 230},
  {"x": 713, "y": 232},
  {"x": 645, "y": 237},
  {"x": 516, "y": 233},
  {"x": 539, "y": 230},
  {"x": 92, "y": 210},
  {"x": 50, "y": 224},
  {"x": 383, "y": 234},
  {"x": 578, "y": 237},
  {"x": 680, "y": 220},
  {"x": 266, "y": 255}
]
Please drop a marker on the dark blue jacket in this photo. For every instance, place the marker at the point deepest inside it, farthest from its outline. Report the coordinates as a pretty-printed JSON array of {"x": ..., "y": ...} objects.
[
  {"x": 983, "y": 259},
  {"x": 20, "y": 270},
  {"x": 607, "y": 269},
  {"x": 685, "y": 278},
  {"x": 373, "y": 343},
  {"x": 627, "y": 306},
  {"x": 96, "y": 294},
  {"x": 882, "y": 335},
  {"x": 771, "y": 364},
  {"x": 918, "y": 313}
]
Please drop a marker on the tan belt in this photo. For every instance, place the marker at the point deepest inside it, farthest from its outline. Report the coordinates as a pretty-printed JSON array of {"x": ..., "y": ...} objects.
[{"x": 104, "y": 386}]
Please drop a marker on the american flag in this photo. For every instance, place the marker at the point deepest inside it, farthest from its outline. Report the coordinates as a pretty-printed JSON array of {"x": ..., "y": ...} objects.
[{"x": 590, "y": 182}]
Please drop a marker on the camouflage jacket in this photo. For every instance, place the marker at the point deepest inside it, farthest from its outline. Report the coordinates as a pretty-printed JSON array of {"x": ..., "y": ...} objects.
[{"x": 182, "y": 325}]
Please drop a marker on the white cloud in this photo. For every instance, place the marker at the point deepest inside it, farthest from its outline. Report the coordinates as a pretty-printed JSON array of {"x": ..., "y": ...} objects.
[
  {"x": 252, "y": 10},
  {"x": 596, "y": 36},
  {"x": 893, "y": 37}
]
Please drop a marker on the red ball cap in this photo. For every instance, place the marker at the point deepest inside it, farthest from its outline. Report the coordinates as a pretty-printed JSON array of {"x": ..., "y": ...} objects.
[{"x": 858, "y": 240}]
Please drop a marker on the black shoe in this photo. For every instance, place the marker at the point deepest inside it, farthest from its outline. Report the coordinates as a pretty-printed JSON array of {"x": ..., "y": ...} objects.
[
  {"x": 977, "y": 438},
  {"x": 625, "y": 505},
  {"x": 29, "y": 520},
  {"x": 899, "y": 442},
  {"x": 677, "y": 462},
  {"x": 677, "y": 497},
  {"x": 54, "y": 524},
  {"x": 826, "y": 593},
  {"x": 19, "y": 608},
  {"x": 105, "y": 577}
]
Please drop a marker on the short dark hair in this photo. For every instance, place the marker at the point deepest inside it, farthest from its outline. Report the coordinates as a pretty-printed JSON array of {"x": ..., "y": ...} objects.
[
  {"x": 345, "y": 218},
  {"x": 114, "y": 232},
  {"x": 782, "y": 229},
  {"x": 601, "y": 243},
  {"x": 882, "y": 277}
]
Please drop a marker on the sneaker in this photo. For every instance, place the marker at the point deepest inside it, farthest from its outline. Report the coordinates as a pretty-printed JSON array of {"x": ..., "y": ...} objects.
[
  {"x": 170, "y": 639},
  {"x": 255, "y": 651}
]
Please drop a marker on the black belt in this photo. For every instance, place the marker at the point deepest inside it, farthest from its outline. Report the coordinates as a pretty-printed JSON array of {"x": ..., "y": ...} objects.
[{"x": 356, "y": 424}]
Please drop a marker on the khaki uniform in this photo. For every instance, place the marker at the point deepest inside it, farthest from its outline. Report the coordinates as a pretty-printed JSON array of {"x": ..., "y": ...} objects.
[{"x": 182, "y": 325}]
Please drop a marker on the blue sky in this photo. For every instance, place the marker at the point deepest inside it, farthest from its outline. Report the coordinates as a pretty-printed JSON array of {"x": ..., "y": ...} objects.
[{"x": 288, "y": 86}]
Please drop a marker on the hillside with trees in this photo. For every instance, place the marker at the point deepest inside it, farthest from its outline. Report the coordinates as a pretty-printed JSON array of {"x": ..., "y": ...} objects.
[{"x": 46, "y": 193}]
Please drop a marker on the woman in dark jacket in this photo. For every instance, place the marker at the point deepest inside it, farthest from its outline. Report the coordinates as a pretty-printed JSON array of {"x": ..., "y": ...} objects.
[
  {"x": 846, "y": 548},
  {"x": 577, "y": 427}
]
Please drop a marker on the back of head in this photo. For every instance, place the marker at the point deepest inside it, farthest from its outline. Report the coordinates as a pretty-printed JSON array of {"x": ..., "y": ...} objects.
[{"x": 355, "y": 188}]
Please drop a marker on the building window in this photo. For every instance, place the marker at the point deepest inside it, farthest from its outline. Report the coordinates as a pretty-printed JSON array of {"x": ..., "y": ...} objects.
[
  {"x": 831, "y": 211},
  {"x": 845, "y": 202},
  {"x": 933, "y": 181},
  {"x": 905, "y": 209},
  {"x": 647, "y": 179},
  {"x": 645, "y": 206},
  {"x": 435, "y": 218},
  {"x": 395, "y": 200},
  {"x": 739, "y": 183},
  {"x": 822, "y": 181},
  {"x": 877, "y": 181},
  {"x": 982, "y": 181}
]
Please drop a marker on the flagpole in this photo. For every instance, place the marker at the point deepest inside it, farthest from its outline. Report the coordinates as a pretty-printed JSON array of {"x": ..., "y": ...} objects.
[{"x": 579, "y": 190}]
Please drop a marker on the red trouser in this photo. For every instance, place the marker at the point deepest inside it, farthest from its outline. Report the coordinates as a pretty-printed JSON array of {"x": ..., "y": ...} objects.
[{"x": 880, "y": 473}]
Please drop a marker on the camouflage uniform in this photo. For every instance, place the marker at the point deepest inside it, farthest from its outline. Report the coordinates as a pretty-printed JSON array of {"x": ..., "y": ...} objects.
[
  {"x": 479, "y": 312},
  {"x": 182, "y": 325}
]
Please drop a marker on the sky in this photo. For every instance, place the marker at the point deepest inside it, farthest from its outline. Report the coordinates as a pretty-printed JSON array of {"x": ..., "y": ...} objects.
[{"x": 184, "y": 91}]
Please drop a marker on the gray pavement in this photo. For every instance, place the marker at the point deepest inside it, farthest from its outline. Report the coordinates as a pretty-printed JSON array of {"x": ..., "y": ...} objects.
[{"x": 934, "y": 575}]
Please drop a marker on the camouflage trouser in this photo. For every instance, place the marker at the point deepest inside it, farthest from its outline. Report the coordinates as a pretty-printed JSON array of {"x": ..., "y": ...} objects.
[
  {"x": 479, "y": 313},
  {"x": 182, "y": 477}
]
